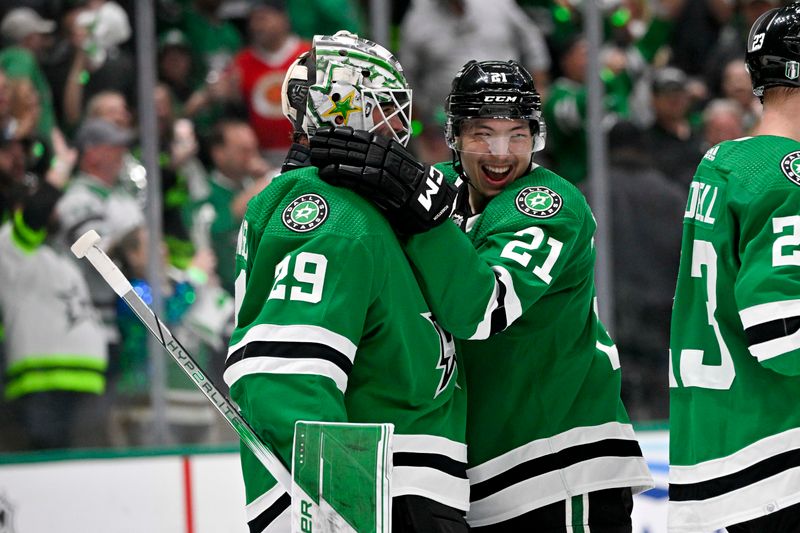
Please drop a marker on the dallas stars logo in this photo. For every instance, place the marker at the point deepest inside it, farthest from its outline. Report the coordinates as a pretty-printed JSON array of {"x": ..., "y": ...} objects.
[
  {"x": 305, "y": 213},
  {"x": 538, "y": 202},
  {"x": 447, "y": 354},
  {"x": 342, "y": 107},
  {"x": 790, "y": 165}
]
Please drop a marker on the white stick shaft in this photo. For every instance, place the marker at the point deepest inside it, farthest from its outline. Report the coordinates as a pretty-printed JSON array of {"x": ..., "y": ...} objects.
[{"x": 117, "y": 281}]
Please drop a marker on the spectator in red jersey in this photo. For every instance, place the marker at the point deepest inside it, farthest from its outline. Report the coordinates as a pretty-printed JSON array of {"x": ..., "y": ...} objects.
[{"x": 260, "y": 69}]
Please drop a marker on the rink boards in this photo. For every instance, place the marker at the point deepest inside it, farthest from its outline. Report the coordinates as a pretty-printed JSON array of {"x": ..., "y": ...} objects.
[{"x": 182, "y": 491}]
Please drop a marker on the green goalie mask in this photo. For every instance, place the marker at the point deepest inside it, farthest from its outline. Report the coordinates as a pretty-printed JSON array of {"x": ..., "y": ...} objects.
[{"x": 348, "y": 81}]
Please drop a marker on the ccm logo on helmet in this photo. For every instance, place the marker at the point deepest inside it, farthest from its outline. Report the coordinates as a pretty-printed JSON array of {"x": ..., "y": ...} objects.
[{"x": 500, "y": 98}]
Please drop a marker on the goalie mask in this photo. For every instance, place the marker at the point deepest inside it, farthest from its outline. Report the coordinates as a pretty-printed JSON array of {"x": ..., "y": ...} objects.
[
  {"x": 348, "y": 81},
  {"x": 494, "y": 89},
  {"x": 773, "y": 49}
]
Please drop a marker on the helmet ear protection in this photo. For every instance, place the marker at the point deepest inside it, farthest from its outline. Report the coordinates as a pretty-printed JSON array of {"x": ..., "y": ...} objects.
[
  {"x": 348, "y": 81},
  {"x": 773, "y": 49},
  {"x": 294, "y": 91},
  {"x": 494, "y": 89}
]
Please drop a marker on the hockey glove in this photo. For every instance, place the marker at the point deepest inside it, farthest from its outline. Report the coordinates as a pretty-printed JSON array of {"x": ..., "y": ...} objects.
[
  {"x": 298, "y": 157},
  {"x": 414, "y": 197}
]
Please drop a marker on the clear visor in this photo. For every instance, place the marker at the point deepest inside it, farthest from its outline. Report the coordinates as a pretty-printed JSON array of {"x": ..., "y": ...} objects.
[
  {"x": 392, "y": 115},
  {"x": 495, "y": 136}
]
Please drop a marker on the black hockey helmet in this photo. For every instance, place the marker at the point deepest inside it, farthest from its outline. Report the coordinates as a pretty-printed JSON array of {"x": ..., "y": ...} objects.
[
  {"x": 773, "y": 49},
  {"x": 494, "y": 89}
]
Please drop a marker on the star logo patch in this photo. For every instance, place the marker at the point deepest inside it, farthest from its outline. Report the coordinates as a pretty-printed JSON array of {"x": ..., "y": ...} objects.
[
  {"x": 305, "y": 213},
  {"x": 538, "y": 202},
  {"x": 790, "y": 165}
]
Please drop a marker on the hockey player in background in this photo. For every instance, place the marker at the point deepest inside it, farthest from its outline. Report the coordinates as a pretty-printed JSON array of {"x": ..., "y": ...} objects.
[
  {"x": 735, "y": 339},
  {"x": 331, "y": 324},
  {"x": 550, "y": 444}
]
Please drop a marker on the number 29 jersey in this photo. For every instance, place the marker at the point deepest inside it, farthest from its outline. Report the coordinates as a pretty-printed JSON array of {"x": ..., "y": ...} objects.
[
  {"x": 735, "y": 338},
  {"x": 331, "y": 325}
]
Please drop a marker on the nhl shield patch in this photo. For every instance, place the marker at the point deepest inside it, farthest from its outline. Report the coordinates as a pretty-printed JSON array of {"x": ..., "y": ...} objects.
[
  {"x": 538, "y": 202},
  {"x": 792, "y": 70},
  {"x": 790, "y": 165},
  {"x": 305, "y": 213}
]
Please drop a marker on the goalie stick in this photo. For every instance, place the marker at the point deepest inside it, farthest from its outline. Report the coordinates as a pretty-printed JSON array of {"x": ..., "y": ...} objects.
[{"x": 86, "y": 246}]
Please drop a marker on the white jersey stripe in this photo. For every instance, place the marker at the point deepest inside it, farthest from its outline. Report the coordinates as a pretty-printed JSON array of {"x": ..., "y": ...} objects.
[
  {"x": 431, "y": 483},
  {"x": 430, "y": 444},
  {"x": 762, "y": 313},
  {"x": 301, "y": 333},
  {"x": 747, "y": 503},
  {"x": 511, "y": 304},
  {"x": 547, "y": 446},
  {"x": 280, "y": 365},
  {"x": 755, "y": 453},
  {"x": 588, "y": 476}
]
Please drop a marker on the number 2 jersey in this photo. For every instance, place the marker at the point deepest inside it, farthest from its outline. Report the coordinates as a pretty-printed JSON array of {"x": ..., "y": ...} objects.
[
  {"x": 735, "y": 339},
  {"x": 545, "y": 418},
  {"x": 331, "y": 325}
]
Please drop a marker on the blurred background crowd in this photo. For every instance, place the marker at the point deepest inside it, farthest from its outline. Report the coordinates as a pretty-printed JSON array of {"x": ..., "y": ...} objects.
[{"x": 74, "y": 364}]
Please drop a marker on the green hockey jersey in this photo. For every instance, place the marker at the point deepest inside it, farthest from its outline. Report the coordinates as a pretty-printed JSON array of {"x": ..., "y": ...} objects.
[
  {"x": 545, "y": 419},
  {"x": 331, "y": 325},
  {"x": 735, "y": 338}
]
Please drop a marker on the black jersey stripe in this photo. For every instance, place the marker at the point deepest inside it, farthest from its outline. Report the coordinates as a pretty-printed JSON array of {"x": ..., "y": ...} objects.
[
  {"x": 262, "y": 521},
  {"x": 291, "y": 350},
  {"x": 775, "y": 329},
  {"x": 681, "y": 492},
  {"x": 499, "y": 318},
  {"x": 431, "y": 460},
  {"x": 552, "y": 462}
]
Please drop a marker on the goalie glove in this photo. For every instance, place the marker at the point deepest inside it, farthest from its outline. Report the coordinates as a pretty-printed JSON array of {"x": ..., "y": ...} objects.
[
  {"x": 413, "y": 196},
  {"x": 298, "y": 157}
]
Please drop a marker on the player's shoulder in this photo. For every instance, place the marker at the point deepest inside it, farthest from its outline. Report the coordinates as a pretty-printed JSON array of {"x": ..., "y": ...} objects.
[
  {"x": 756, "y": 163},
  {"x": 542, "y": 197},
  {"x": 449, "y": 171},
  {"x": 298, "y": 203}
]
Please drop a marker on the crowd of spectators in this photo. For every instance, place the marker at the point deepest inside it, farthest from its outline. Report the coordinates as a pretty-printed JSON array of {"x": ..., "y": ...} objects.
[{"x": 675, "y": 85}]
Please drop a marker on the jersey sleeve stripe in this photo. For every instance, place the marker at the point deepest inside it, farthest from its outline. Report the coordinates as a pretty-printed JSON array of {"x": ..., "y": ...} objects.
[
  {"x": 309, "y": 333},
  {"x": 291, "y": 350},
  {"x": 744, "y": 458},
  {"x": 503, "y": 308},
  {"x": 776, "y": 347},
  {"x": 763, "y": 313},
  {"x": 269, "y": 512},
  {"x": 283, "y": 365}
]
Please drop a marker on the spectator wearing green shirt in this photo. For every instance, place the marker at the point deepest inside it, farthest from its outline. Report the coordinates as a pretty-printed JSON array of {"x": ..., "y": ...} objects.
[
  {"x": 239, "y": 173},
  {"x": 214, "y": 41},
  {"x": 26, "y": 32},
  {"x": 565, "y": 107}
]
